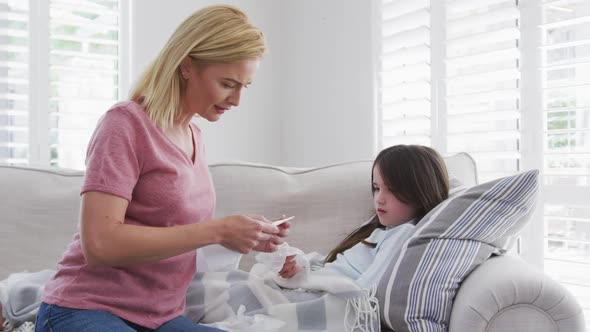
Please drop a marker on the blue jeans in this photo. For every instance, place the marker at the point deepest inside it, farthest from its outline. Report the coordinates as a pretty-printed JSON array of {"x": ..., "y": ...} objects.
[{"x": 53, "y": 318}]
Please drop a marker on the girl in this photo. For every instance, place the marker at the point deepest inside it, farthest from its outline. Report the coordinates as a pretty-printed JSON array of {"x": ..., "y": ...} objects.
[{"x": 407, "y": 182}]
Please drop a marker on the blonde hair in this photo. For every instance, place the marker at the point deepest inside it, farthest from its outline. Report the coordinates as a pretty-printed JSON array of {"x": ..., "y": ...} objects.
[{"x": 214, "y": 34}]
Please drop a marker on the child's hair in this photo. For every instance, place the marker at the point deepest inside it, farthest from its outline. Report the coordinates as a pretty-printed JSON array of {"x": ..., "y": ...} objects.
[{"x": 416, "y": 175}]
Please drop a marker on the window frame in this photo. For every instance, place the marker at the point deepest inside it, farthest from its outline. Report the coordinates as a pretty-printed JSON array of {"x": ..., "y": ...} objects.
[
  {"x": 531, "y": 246},
  {"x": 38, "y": 144}
]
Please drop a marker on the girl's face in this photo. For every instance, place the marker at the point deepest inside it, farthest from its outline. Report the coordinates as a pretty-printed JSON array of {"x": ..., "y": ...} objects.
[
  {"x": 390, "y": 210},
  {"x": 212, "y": 89}
]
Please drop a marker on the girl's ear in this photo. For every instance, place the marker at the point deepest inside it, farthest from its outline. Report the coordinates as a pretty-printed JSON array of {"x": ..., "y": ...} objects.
[{"x": 186, "y": 66}]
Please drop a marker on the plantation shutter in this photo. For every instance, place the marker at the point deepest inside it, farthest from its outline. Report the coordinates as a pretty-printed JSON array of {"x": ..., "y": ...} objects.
[
  {"x": 566, "y": 144},
  {"x": 59, "y": 65},
  {"x": 482, "y": 84},
  {"x": 14, "y": 87},
  {"x": 404, "y": 79},
  {"x": 83, "y": 74}
]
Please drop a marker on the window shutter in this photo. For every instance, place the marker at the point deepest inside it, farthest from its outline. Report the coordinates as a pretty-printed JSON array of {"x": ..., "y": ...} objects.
[
  {"x": 566, "y": 151},
  {"x": 478, "y": 109},
  {"x": 60, "y": 72},
  {"x": 482, "y": 84},
  {"x": 14, "y": 68},
  {"x": 83, "y": 74},
  {"x": 405, "y": 73}
]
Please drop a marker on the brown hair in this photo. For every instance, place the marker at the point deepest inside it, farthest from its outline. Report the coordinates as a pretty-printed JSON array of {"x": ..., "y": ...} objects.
[{"x": 416, "y": 175}]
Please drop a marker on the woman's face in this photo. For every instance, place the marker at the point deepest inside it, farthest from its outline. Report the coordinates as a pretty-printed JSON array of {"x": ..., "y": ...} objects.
[
  {"x": 390, "y": 210},
  {"x": 212, "y": 89}
]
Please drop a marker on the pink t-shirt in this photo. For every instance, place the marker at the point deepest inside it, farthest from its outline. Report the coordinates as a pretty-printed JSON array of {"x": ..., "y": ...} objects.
[{"x": 128, "y": 156}]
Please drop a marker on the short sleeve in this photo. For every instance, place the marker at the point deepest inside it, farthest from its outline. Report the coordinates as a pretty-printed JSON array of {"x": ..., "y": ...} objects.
[{"x": 113, "y": 158}]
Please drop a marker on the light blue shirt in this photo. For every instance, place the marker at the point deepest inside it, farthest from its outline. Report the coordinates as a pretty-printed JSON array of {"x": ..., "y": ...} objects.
[{"x": 366, "y": 265}]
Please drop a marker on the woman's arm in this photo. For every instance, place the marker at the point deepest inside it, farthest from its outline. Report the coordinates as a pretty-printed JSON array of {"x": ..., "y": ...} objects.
[{"x": 107, "y": 240}]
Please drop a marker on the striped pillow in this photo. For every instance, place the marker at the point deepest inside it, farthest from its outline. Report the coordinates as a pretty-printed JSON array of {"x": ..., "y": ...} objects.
[{"x": 417, "y": 290}]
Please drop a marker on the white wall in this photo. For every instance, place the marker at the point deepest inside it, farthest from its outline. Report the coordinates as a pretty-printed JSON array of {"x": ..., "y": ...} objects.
[
  {"x": 312, "y": 98},
  {"x": 328, "y": 97}
]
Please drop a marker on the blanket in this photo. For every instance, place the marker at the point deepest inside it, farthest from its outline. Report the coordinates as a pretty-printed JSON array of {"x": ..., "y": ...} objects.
[
  {"x": 321, "y": 302},
  {"x": 315, "y": 302},
  {"x": 20, "y": 295}
]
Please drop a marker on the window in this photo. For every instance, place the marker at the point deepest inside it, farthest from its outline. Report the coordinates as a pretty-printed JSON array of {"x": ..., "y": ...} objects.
[
  {"x": 509, "y": 84},
  {"x": 482, "y": 84},
  {"x": 565, "y": 68},
  {"x": 405, "y": 75},
  {"x": 60, "y": 63}
]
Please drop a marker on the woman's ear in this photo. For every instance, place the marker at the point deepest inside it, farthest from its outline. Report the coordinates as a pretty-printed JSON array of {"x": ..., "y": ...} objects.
[{"x": 186, "y": 67}]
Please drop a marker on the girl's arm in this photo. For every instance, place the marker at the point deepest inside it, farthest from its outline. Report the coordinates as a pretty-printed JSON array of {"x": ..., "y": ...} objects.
[
  {"x": 340, "y": 266},
  {"x": 343, "y": 266},
  {"x": 389, "y": 249},
  {"x": 107, "y": 240}
]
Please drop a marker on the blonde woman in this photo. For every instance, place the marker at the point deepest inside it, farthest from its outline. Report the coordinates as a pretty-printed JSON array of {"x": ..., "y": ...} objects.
[{"x": 147, "y": 198}]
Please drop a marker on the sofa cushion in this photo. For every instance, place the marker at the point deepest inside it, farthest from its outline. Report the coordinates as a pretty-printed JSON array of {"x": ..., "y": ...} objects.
[
  {"x": 38, "y": 216},
  {"x": 39, "y": 209},
  {"x": 418, "y": 287},
  {"x": 327, "y": 202}
]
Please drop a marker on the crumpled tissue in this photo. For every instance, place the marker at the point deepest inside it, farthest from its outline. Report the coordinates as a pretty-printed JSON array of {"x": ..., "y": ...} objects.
[
  {"x": 274, "y": 261},
  {"x": 243, "y": 323}
]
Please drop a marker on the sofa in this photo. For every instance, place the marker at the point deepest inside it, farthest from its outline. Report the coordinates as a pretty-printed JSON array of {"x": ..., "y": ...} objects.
[{"x": 40, "y": 207}]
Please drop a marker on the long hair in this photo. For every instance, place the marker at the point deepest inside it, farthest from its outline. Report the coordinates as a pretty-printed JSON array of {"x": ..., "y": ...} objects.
[
  {"x": 214, "y": 34},
  {"x": 416, "y": 175}
]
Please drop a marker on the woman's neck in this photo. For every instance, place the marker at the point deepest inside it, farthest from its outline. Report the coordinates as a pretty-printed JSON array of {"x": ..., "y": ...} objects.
[{"x": 182, "y": 121}]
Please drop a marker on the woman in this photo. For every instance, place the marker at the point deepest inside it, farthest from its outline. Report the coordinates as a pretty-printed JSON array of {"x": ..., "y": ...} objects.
[{"x": 147, "y": 198}]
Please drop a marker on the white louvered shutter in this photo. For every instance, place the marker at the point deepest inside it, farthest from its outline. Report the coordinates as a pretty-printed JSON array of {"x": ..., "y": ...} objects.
[
  {"x": 405, "y": 89},
  {"x": 482, "y": 84},
  {"x": 14, "y": 69},
  {"x": 566, "y": 151},
  {"x": 83, "y": 73},
  {"x": 505, "y": 125},
  {"x": 59, "y": 65}
]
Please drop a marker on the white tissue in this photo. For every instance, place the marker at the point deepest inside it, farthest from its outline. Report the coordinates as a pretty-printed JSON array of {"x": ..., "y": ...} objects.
[
  {"x": 274, "y": 261},
  {"x": 243, "y": 323}
]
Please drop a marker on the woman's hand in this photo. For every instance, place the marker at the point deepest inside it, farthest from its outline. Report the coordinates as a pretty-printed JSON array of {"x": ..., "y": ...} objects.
[
  {"x": 277, "y": 239},
  {"x": 290, "y": 268},
  {"x": 243, "y": 233},
  {"x": 284, "y": 227}
]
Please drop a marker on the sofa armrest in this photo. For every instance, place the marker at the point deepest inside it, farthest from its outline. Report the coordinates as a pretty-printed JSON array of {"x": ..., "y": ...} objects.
[{"x": 507, "y": 294}]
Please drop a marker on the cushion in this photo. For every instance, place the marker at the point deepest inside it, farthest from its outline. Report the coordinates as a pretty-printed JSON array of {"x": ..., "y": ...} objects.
[
  {"x": 417, "y": 290},
  {"x": 38, "y": 216}
]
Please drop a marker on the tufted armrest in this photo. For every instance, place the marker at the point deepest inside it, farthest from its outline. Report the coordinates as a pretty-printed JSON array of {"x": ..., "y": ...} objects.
[{"x": 507, "y": 294}]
